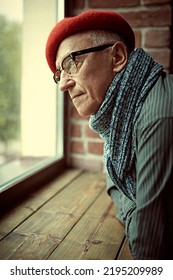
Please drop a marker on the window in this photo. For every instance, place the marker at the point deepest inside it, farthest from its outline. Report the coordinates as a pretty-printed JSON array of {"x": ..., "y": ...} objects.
[{"x": 31, "y": 110}]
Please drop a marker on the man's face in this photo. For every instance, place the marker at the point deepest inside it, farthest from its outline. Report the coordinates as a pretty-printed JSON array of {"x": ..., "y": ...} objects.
[{"x": 88, "y": 86}]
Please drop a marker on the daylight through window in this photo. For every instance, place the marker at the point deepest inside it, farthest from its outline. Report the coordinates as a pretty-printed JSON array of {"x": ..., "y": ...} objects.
[{"x": 31, "y": 111}]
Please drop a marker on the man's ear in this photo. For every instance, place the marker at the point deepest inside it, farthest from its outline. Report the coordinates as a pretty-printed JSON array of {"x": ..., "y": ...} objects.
[{"x": 120, "y": 56}]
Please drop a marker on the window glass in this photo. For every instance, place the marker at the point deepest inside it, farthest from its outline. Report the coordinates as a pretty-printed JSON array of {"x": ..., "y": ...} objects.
[{"x": 31, "y": 111}]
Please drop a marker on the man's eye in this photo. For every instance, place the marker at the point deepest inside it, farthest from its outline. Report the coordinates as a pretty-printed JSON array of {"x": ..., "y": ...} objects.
[
  {"x": 71, "y": 63},
  {"x": 65, "y": 62},
  {"x": 79, "y": 60},
  {"x": 68, "y": 64}
]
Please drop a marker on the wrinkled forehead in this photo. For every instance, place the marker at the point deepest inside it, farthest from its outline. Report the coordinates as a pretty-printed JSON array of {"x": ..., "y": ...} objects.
[
  {"x": 78, "y": 40},
  {"x": 72, "y": 43}
]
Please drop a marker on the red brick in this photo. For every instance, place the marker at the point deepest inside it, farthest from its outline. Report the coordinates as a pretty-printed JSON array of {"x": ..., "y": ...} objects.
[
  {"x": 76, "y": 130},
  {"x": 95, "y": 148},
  {"x": 138, "y": 37},
  {"x": 90, "y": 133},
  {"x": 152, "y": 2},
  {"x": 78, "y": 4},
  {"x": 158, "y": 16},
  {"x": 157, "y": 38},
  {"x": 163, "y": 56},
  {"x": 77, "y": 147},
  {"x": 112, "y": 3}
]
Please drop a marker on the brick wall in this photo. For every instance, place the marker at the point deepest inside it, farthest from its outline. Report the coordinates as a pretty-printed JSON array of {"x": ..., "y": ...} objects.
[{"x": 151, "y": 21}]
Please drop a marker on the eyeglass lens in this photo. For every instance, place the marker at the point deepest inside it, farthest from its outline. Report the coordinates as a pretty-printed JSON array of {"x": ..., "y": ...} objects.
[{"x": 57, "y": 75}]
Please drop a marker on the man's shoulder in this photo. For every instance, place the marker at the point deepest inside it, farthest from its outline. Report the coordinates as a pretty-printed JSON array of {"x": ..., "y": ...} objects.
[
  {"x": 164, "y": 85},
  {"x": 159, "y": 102}
]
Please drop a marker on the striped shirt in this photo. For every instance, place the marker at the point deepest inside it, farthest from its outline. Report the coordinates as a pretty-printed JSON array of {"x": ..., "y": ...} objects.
[{"x": 149, "y": 220}]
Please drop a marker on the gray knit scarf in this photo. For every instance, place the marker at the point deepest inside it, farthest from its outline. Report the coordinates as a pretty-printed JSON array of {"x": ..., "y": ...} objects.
[{"x": 116, "y": 119}]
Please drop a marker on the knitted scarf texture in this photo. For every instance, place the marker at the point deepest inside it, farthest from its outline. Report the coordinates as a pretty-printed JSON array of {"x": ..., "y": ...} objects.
[{"x": 116, "y": 119}]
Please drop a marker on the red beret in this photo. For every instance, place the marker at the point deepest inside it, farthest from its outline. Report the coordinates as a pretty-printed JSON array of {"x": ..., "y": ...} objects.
[{"x": 88, "y": 20}]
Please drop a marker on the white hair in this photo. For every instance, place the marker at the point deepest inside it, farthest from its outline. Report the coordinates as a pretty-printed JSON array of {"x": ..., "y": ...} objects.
[{"x": 101, "y": 37}]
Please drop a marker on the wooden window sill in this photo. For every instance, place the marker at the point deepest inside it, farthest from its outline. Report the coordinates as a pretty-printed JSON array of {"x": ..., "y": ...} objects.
[{"x": 70, "y": 218}]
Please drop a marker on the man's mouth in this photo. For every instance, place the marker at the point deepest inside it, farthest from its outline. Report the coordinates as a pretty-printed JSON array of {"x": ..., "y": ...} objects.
[{"x": 76, "y": 95}]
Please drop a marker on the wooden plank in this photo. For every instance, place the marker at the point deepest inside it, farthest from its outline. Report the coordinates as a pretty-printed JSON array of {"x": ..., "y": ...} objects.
[
  {"x": 16, "y": 216},
  {"x": 125, "y": 253},
  {"x": 97, "y": 235},
  {"x": 40, "y": 234}
]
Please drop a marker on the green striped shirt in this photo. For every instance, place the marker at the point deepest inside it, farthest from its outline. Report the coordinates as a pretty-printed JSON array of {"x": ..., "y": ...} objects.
[{"x": 149, "y": 221}]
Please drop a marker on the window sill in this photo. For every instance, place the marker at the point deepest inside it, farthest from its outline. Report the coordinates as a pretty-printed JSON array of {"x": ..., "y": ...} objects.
[
  {"x": 72, "y": 218},
  {"x": 25, "y": 182}
]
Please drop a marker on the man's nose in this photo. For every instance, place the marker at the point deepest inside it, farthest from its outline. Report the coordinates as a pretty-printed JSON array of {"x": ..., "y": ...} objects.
[{"x": 65, "y": 82}]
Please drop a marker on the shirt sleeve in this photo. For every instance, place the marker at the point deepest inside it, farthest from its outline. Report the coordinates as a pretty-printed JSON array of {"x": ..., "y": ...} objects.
[{"x": 149, "y": 226}]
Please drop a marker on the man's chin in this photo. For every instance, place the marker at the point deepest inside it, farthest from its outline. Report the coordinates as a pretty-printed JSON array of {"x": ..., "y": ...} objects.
[{"x": 83, "y": 113}]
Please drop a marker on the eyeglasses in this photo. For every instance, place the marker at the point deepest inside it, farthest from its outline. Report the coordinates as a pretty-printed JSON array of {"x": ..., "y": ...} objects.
[{"x": 69, "y": 63}]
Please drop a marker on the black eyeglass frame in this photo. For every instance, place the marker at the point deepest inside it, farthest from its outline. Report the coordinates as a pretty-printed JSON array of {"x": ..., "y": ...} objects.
[{"x": 74, "y": 54}]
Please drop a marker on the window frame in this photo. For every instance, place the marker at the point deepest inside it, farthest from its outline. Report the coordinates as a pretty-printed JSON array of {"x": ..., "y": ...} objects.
[{"x": 19, "y": 188}]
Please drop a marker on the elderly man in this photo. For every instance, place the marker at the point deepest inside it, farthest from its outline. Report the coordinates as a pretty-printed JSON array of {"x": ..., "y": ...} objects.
[{"x": 129, "y": 99}]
